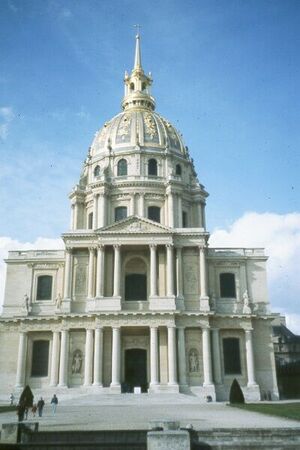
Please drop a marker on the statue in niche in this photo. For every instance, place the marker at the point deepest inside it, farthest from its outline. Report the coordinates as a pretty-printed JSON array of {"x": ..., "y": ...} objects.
[
  {"x": 77, "y": 362},
  {"x": 193, "y": 360},
  {"x": 58, "y": 301},
  {"x": 246, "y": 301},
  {"x": 26, "y": 303}
]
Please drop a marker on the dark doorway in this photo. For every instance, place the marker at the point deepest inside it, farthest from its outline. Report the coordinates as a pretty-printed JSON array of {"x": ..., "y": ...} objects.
[
  {"x": 135, "y": 287},
  {"x": 135, "y": 370}
]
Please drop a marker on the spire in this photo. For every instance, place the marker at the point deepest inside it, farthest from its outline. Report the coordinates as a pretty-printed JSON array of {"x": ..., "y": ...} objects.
[
  {"x": 138, "y": 84},
  {"x": 137, "y": 57}
]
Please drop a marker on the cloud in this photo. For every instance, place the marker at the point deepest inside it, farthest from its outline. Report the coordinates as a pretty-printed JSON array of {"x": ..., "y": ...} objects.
[
  {"x": 6, "y": 244},
  {"x": 6, "y": 116},
  {"x": 279, "y": 234}
]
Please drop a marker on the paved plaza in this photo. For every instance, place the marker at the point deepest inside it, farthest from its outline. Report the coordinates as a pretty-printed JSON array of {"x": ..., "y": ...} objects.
[{"x": 130, "y": 411}]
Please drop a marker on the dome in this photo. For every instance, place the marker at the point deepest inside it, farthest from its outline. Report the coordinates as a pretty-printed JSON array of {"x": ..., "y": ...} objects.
[{"x": 134, "y": 128}]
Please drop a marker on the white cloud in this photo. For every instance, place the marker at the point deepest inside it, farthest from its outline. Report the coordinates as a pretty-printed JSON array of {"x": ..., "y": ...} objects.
[
  {"x": 6, "y": 244},
  {"x": 279, "y": 234},
  {"x": 6, "y": 116}
]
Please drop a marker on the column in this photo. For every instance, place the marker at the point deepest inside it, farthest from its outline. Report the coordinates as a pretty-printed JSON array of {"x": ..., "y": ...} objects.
[
  {"x": 172, "y": 366},
  {"x": 181, "y": 356},
  {"x": 117, "y": 270},
  {"x": 171, "y": 209},
  {"x": 75, "y": 217},
  {"x": 21, "y": 364},
  {"x": 100, "y": 271},
  {"x": 88, "y": 367},
  {"x": 179, "y": 211},
  {"x": 153, "y": 270},
  {"x": 101, "y": 211},
  {"x": 216, "y": 356},
  {"x": 203, "y": 272},
  {"x": 207, "y": 373},
  {"x": 63, "y": 365},
  {"x": 54, "y": 359},
  {"x": 91, "y": 272},
  {"x": 98, "y": 357},
  {"x": 72, "y": 218},
  {"x": 179, "y": 281},
  {"x": 116, "y": 356},
  {"x": 142, "y": 204},
  {"x": 95, "y": 211},
  {"x": 250, "y": 358},
  {"x": 199, "y": 215},
  {"x": 68, "y": 273},
  {"x": 153, "y": 356},
  {"x": 170, "y": 270},
  {"x": 131, "y": 206},
  {"x": 203, "y": 215}
]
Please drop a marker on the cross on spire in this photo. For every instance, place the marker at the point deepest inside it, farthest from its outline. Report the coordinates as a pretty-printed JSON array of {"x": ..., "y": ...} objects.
[{"x": 138, "y": 28}]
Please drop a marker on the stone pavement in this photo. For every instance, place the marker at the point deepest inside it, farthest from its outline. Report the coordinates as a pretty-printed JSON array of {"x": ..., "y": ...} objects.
[{"x": 131, "y": 411}]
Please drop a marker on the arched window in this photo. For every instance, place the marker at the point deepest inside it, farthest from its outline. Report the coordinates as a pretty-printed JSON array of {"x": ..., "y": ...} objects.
[
  {"x": 97, "y": 171},
  {"x": 152, "y": 167},
  {"x": 184, "y": 219},
  {"x": 40, "y": 358},
  {"x": 227, "y": 285},
  {"x": 231, "y": 355},
  {"x": 120, "y": 213},
  {"x": 90, "y": 221},
  {"x": 132, "y": 86},
  {"x": 122, "y": 167},
  {"x": 154, "y": 213},
  {"x": 178, "y": 169},
  {"x": 44, "y": 287},
  {"x": 135, "y": 280}
]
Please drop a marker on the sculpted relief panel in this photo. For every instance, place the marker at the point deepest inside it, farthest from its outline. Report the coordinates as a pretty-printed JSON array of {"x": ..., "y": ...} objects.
[
  {"x": 190, "y": 275},
  {"x": 80, "y": 275}
]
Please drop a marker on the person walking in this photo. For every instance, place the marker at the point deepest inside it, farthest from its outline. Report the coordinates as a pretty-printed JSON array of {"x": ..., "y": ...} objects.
[
  {"x": 12, "y": 399},
  {"x": 40, "y": 406},
  {"x": 54, "y": 402}
]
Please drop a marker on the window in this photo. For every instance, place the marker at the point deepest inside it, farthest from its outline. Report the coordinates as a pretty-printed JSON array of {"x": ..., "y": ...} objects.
[
  {"x": 44, "y": 287},
  {"x": 152, "y": 167},
  {"x": 227, "y": 285},
  {"x": 132, "y": 86},
  {"x": 231, "y": 353},
  {"x": 178, "y": 169},
  {"x": 184, "y": 219},
  {"x": 90, "y": 221},
  {"x": 154, "y": 213},
  {"x": 97, "y": 171},
  {"x": 122, "y": 167},
  {"x": 40, "y": 357},
  {"x": 135, "y": 287},
  {"x": 120, "y": 213}
]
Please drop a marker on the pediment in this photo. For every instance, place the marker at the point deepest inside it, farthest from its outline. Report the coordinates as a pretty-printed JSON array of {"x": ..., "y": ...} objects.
[{"x": 135, "y": 225}]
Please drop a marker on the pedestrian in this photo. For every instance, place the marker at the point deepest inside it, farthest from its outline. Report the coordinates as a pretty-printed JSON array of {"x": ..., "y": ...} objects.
[
  {"x": 40, "y": 406},
  {"x": 26, "y": 412},
  {"x": 21, "y": 411},
  {"x": 54, "y": 402},
  {"x": 33, "y": 410},
  {"x": 12, "y": 399}
]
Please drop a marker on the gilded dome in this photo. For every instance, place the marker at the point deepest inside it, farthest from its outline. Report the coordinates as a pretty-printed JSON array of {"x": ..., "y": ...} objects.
[{"x": 135, "y": 128}]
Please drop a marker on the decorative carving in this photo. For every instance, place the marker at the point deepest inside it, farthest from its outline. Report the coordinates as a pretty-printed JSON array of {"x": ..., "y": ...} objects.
[
  {"x": 190, "y": 279},
  {"x": 193, "y": 360},
  {"x": 150, "y": 125},
  {"x": 77, "y": 362},
  {"x": 124, "y": 126}
]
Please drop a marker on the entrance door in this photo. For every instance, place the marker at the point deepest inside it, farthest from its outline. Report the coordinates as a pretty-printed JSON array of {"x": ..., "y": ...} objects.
[{"x": 135, "y": 369}]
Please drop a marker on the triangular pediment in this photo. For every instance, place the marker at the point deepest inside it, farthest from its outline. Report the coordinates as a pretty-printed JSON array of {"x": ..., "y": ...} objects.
[{"x": 135, "y": 225}]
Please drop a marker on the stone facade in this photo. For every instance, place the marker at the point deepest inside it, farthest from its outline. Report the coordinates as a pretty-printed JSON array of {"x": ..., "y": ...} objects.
[{"x": 137, "y": 298}]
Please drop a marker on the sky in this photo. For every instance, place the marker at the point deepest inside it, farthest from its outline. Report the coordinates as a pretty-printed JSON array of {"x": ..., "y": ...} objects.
[{"x": 225, "y": 74}]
